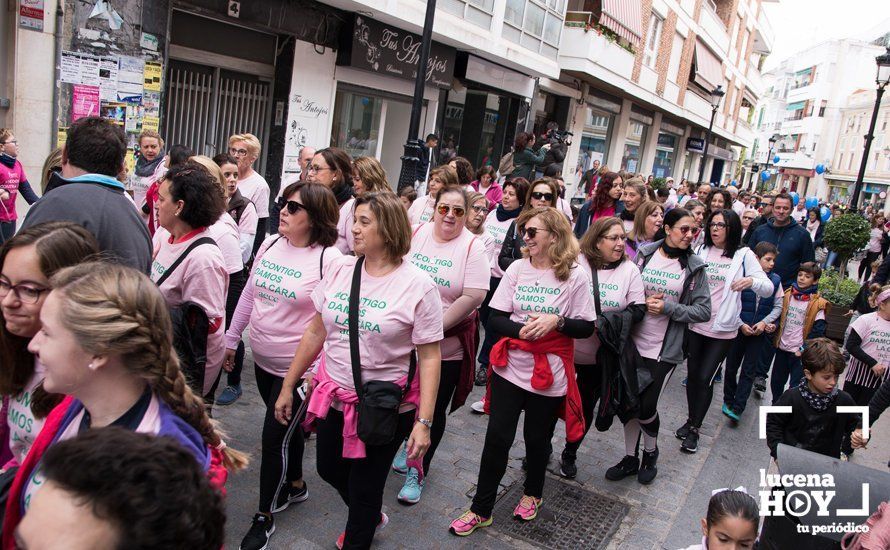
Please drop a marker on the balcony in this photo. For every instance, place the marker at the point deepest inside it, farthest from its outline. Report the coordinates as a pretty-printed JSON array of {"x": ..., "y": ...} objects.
[
  {"x": 755, "y": 81},
  {"x": 586, "y": 48},
  {"x": 714, "y": 29},
  {"x": 764, "y": 36},
  {"x": 795, "y": 159}
]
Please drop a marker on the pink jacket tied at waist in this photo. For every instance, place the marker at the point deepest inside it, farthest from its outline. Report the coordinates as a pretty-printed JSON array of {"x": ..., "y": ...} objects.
[{"x": 323, "y": 395}]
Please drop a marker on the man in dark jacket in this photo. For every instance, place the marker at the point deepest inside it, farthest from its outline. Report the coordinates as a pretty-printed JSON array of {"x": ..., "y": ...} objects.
[
  {"x": 88, "y": 193},
  {"x": 427, "y": 157},
  {"x": 793, "y": 240},
  {"x": 765, "y": 214}
]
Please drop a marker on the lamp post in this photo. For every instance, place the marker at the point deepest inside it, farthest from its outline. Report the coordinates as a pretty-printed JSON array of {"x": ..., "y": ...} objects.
[
  {"x": 413, "y": 144},
  {"x": 716, "y": 95},
  {"x": 769, "y": 158},
  {"x": 883, "y": 78}
]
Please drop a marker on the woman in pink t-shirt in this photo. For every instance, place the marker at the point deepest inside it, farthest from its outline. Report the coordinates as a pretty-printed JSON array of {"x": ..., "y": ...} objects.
[
  {"x": 189, "y": 202},
  {"x": 676, "y": 294},
  {"x": 368, "y": 176},
  {"x": 457, "y": 262},
  {"x": 619, "y": 288},
  {"x": 633, "y": 195},
  {"x": 475, "y": 222},
  {"x": 647, "y": 221},
  {"x": 27, "y": 262},
  {"x": 276, "y": 302},
  {"x": 731, "y": 268},
  {"x": 542, "y": 304},
  {"x": 399, "y": 310},
  {"x": 422, "y": 209},
  {"x": 869, "y": 345}
]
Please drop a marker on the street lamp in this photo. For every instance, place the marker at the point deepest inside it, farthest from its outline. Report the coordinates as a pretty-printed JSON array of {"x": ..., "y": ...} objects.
[
  {"x": 716, "y": 95},
  {"x": 882, "y": 80},
  {"x": 773, "y": 139}
]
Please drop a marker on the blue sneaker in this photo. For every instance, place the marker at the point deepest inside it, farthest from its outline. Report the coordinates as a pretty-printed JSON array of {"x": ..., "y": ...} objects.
[
  {"x": 727, "y": 411},
  {"x": 400, "y": 462},
  {"x": 719, "y": 377},
  {"x": 412, "y": 489},
  {"x": 229, "y": 395},
  {"x": 683, "y": 383}
]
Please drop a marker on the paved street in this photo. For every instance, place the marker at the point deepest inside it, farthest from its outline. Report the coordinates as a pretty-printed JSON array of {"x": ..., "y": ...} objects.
[{"x": 662, "y": 515}]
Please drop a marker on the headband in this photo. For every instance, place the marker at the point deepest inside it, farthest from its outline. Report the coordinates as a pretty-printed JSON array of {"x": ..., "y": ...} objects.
[
  {"x": 740, "y": 489},
  {"x": 883, "y": 295}
]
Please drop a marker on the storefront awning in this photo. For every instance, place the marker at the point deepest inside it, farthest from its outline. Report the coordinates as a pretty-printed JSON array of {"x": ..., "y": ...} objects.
[
  {"x": 795, "y": 106},
  {"x": 625, "y": 18},
  {"x": 708, "y": 67}
]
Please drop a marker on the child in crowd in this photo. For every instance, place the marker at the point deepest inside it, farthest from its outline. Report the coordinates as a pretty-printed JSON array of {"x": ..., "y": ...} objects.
[
  {"x": 758, "y": 318},
  {"x": 407, "y": 195},
  {"x": 733, "y": 521},
  {"x": 803, "y": 317},
  {"x": 814, "y": 423}
]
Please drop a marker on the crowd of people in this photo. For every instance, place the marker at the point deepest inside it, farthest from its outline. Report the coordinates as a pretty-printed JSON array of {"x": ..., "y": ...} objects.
[{"x": 371, "y": 315}]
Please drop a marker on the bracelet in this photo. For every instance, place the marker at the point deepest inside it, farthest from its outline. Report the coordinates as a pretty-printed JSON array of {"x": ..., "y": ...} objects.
[{"x": 425, "y": 422}]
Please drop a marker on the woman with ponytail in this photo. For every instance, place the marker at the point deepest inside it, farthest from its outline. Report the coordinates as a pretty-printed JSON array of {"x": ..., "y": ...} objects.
[{"x": 106, "y": 342}]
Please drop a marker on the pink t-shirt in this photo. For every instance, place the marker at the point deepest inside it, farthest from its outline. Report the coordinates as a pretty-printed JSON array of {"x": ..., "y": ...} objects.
[
  {"x": 24, "y": 427},
  {"x": 248, "y": 220},
  {"x": 458, "y": 264},
  {"x": 874, "y": 244},
  {"x": 525, "y": 292},
  {"x": 792, "y": 335},
  {"x": 618, "y": 288},
  {"x": 718, "y": 270},
  {"x": 255, "y": 189},
  {"x": 399, "y": 311},
  {"x": 277, "y": 301},
  {"x": 224, "y": 232},
  {"x": 421, "y": 210},
  {"x": 201, "y": 278},
  {"x": 875, "y": 334},
  {"x": 661, "y": 274},
  {"x": 628, "y": 225},
  {"x": 345, "y": 239},
  {"x": 498, "y": 231}
]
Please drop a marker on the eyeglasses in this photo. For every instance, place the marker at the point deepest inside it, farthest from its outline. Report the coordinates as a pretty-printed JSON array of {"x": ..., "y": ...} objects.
[
  {"x": 14, "y": 142},
  {"x": 315, "y": 168},
  {"x": 615, "y": 238},
  {"x": 237, "y": 152},
  {"x": 542, "y": 196},
  {"x": 27, "y": 294},
  {"x": 532, "y": 232},
  {"x": 459, "y": 211},
  {"x": 717, "y": 225},
  {"x": 292, "y": 206},
  {"x": 480, "y": 209}
]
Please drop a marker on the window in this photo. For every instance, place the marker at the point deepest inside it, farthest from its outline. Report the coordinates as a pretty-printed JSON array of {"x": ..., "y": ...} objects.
[
  {"x": 676, "y": 53},
  {"x": 886, "y": 118},
  {"x": 514, "y": 11},
  {"x": 633, "y": 146},
  {"x": 850, "y": 161},
  {"x": 534, "y": 24},
  {"x": 840, "y": 160},
  {"x": 822, "y": 107},
  {"x": 478, "y": 12},
  {"x": 653, "y": 39},
  {"x": 843, "y": 144}
]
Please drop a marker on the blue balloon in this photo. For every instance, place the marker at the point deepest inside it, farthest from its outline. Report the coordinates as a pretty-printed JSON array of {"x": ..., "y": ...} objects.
[
  {"x": 795, "y": 197},
  {"x": 765, "y": 175},
  {"x": 734, "y": 183},
  {"x": 820, "y": 168},
  {"x": 776, "y": 159},
  {"x": 812, "y": 202},
  {"x": 825, "y": 214}
]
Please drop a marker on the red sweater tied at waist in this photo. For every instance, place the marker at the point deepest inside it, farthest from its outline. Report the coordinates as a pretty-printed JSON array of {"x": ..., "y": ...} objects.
[{"x": 467, "y": 334}]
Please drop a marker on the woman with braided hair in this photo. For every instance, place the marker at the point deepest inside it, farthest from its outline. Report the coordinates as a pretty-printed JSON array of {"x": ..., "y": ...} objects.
[{"x": 106, "y": 343}]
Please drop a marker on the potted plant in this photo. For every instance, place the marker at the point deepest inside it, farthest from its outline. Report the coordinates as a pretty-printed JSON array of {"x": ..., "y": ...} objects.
[
  {"x": 840, "y": 293},
  {"x": 845, "y": 235}
]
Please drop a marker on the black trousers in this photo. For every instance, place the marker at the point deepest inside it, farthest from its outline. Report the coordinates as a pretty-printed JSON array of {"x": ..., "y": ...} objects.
[
  {"x": 507, "y": 402},
  {"x": 447, "y": 385},
  {"x": 359, "y": 481},
  {"x": 741, "y": 369},
  {"x": 237, "y": 283},
  {"x": 590, "y": 383},
  {"x": 282, "y": 451},
  {"x": 865, "y": 265},
  {"x": 861, "y": 395},
  {"x": 702, "y": 365}
]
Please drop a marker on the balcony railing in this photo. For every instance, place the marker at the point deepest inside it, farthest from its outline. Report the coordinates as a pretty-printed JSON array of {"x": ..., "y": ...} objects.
[{"x": 587, "y": 20}]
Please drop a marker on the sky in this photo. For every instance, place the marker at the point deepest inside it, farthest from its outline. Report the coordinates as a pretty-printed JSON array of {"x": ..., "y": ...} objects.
[{"x": 799, "y": 24}]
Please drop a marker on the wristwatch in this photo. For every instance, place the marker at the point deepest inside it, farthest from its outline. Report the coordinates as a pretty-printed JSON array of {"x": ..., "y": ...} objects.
[
  {"x": 425, "y": 422},
  {"x": 560, "y": 323}
]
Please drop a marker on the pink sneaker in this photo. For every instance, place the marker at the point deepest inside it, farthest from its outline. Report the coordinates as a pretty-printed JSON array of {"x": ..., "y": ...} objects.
[
  {"x": 527, "y": 509},
  {"x": 468, "y": 523},
  {"x": 384, "y": 520}
]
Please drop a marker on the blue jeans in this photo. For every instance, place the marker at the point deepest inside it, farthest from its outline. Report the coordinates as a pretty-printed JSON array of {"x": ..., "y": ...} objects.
[
  {"x": 746, "y": 353},
  {"x": 830, "y": 259},
  {"x": 786, "y": 369}
]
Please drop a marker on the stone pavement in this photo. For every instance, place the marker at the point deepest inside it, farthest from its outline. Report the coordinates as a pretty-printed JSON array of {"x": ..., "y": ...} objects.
[{"x": 664, "y": 514}]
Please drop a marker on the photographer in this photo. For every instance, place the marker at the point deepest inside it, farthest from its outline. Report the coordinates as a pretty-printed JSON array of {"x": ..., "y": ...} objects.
[{"x": 559, "y": 146}]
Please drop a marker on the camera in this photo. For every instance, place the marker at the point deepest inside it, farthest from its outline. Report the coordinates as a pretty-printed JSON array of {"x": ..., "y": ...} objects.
[{"x": 555, "y": 135}]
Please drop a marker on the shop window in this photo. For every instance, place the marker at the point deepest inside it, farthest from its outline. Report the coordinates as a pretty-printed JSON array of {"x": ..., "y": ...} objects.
[
  {"x": 653, "y": 38},
  {"x": 356, "y": 123},
  {"x": 595, "y": 139},
  {"x": 633, "y": 146},
  {"x": 665, "y": 152}
]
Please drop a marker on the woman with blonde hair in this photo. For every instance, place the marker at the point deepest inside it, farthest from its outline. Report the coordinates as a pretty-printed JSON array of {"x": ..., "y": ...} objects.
[
  {"x": 422, "y": 209},
  {"x": 52, "y": 165},
  {"x": 542, "y": 193},
  {"x": 647, "y": 221},
  {"x": 106, "y": 342},
  {"x": 476, "y": 221},
  {"x": 542, "y": 304},
  {"x": 368, "y": 176},
  {"x": 634, "y": 195}
]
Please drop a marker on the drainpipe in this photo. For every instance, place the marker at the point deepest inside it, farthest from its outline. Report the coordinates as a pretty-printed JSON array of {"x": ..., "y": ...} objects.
[{"x": 60, "y": 17}]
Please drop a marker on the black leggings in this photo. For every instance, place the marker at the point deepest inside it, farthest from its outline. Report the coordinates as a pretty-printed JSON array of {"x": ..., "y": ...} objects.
[
  {"x": 447, "y": 385},
  {"x": 590, "y": 382},
  {"x": 490, "y": 337},
  {"x": 865, "y": 265},
  {"x": 282, "y": 455},
  {"x": 661, "y": 374},
  {"x": 507, "y": 403},
  {"x": 702, "y": 365},
  {"x": 359, "y": 481}
]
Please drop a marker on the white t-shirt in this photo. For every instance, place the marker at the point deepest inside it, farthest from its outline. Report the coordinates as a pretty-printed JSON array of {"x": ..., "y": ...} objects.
[
  {"x": 256, "y": 190},
  {"x": 24, "y": 427}
]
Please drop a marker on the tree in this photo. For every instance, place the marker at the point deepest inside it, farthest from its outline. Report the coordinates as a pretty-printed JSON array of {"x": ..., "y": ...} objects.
[{"x": 845, "y": 235}]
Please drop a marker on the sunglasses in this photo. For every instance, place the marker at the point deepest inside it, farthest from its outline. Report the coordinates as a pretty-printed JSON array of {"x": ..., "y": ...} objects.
[
  {"x": 292, "y": 206},
  {"x": 532, "y": 232},
  {"x": 537, "y": 195},
  {"x": 459, "y": 211},
  {"x": 684, "y": 230},
  {"x": 480, "y": 209}
]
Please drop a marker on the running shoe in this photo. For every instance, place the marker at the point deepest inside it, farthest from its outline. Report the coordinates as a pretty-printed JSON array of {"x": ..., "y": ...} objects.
[
  {"x": 229, "y": 395},
  {"x": 257, "y": 537},
  {"x": 760, "y": 386},
  {"x": 719, "y": 376},
  {"x": 384, "y": 521},
  {"x": 527, "y": 509},
  {"x": 648, "y": 467},
  {"x": 684, "y": 382},
  {"x": 468, "y": 523},
  {"x": 731, "y": 414},
  {"x": 288, "y": 495},
  {"x": 684, "y": 430},
  {"x": 690, "y": 444},
  {"x": 567, "y": 468},
  {"x": 628, "y": 466},
  {"x": 400, "y": 462},
  {"x": 478, "y": 407},
  {"x": 412, "y": 489}
]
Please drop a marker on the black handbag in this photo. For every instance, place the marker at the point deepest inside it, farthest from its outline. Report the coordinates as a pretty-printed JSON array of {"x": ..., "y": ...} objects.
[{"x": 378, "y": 401}]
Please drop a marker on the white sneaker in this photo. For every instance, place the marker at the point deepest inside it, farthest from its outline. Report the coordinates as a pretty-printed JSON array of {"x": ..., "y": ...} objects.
[{"x": 478, "y": 407}]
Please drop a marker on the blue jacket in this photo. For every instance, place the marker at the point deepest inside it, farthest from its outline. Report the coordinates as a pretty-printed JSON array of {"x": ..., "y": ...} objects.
[
  {"x": 794, "y": 244},
  {"x": 755, "y": 310}
]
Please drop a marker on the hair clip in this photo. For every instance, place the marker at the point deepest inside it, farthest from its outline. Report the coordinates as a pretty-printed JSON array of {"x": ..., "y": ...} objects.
[{"x": 222, "y": 446}]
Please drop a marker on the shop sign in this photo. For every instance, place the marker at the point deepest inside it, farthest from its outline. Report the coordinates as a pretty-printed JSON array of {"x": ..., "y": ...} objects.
[
  {"x": 31, "y": 15},
  {"x": 383, "y": 49},
  {"x": 696, "y": 145}
]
